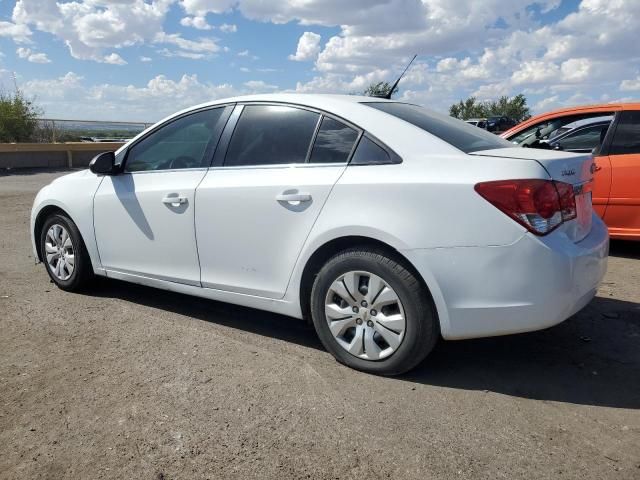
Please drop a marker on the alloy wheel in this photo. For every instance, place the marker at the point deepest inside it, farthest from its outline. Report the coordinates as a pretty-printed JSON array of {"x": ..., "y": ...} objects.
[{"x": 59, "y": 252}]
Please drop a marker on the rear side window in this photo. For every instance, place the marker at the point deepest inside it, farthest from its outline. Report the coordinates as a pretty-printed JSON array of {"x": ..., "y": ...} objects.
[
  {"x": 271, "y": 135},
  {"x": 370, "y": 153},
  {"x": 627, "y": 137},
  {"x": 333, "y": 143},
  {"x": 586, "y": 138},
  {"x": 455, "y": 132}
]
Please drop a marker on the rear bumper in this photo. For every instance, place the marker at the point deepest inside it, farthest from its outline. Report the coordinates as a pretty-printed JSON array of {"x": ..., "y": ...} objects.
[{"x": 531, "y": 284}]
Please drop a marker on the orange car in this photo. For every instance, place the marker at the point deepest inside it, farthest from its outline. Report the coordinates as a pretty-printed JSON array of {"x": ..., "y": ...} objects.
[{"x": 613, "y": 132}]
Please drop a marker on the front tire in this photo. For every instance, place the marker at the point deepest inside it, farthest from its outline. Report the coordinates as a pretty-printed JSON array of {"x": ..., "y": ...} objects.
[
  {"x": 64, "y": 254},
  {"x": 372, "y": 312}
]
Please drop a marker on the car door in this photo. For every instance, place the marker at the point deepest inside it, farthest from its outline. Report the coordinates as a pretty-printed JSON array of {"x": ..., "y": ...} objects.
[
  {"x": 601, "y": 184},
  {"x": 623, "y": 211},
  {"x": 257, "y": 205},
  {"x": 144, "y": 217}
]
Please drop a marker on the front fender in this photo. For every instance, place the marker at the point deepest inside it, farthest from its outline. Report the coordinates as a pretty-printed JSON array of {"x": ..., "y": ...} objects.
[{"x": 73, "y": 194}]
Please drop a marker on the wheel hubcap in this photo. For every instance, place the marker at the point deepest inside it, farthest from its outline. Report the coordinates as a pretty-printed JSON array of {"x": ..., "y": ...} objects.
[
  {"x": 365, "y": 315},
  {"x": 59, "y": 252}
]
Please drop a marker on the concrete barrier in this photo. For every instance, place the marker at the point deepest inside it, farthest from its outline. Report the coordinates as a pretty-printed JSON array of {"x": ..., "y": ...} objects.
[{"x": 51, "y": 155}]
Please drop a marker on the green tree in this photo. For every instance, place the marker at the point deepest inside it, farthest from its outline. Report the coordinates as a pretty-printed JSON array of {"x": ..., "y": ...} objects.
[
  {"x": 469, "y": 108},
  {"x": 380, "y": 89},
  {"x": 514, "y": 107},
  {"x": 18, "y": 117}
]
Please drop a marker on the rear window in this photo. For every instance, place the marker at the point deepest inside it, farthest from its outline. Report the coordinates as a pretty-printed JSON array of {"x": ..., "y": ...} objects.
[{"x": 461, "y": 135}]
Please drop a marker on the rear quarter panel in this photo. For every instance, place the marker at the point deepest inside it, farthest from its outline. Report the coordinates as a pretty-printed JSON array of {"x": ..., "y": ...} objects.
[{"x": 427, "y": 202}]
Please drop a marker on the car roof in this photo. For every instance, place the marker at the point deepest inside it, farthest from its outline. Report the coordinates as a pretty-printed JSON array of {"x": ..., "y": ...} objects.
[
  {"x": 396, "y": 133},
  {"x": 576, "y": 110},
  {"x": 316, "y": 100},
  {"x": 335, "y": 104}
]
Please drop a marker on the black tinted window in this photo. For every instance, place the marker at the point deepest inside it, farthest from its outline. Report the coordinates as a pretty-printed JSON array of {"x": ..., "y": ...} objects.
[
  {"x": 369, "y": 153},
  {"x": 334, "y": 142},
  {"x": 271, "y": 135},
  {"x": 586, "y": 138},
  {"x": 453, "y": 131},
  {"x": 187, "y": 142},
  {"x": 627, "y": 136}
]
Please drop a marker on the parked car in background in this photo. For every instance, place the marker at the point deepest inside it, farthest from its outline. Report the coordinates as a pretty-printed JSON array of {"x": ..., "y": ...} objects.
[
  {"x": 478, "y": 122},
  {"x": 499, "y": 124},
  {"x": 386, "y": 224},
  {"x": 580, "y": 136},
  {"x": 616, "y": 190}
]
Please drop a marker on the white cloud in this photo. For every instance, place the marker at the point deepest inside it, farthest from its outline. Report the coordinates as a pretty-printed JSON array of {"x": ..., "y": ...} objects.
[
  {"x": 200, "y": 8},
  {"x": 535, "y": 71},
  {"x": 308, "y": 47},
  {"x": 90, "y": 27},
  {"x": 196, "y": 22},
  {"x": 146, "y": 59},
  {"x": 194, "y": 49},
  {"x": 228, "y": 28},
  {"x": 165, "y": 52},
  {"x": 32, "y": 56},
  {"x": 114, "y": 59},
  {"x": 630, "y": 85},
  {"x": 546, "y": 103},
  {"x": 570, "y": 60},
  {"x": 20, "y": 33},
  {"x": 70, "y": 97},
  {"x": 243, "y": 53},
  {"x": 486, "y": 48},
  {"x": 259, "y": 86}
]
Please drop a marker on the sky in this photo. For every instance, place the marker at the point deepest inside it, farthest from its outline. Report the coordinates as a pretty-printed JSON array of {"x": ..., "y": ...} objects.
[{"x": 140, "y": 60}]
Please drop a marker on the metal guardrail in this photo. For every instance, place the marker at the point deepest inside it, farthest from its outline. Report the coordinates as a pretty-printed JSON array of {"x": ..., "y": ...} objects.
[
  {"x": 68, "y": 148},
  {"x": 102, "y": 130}
]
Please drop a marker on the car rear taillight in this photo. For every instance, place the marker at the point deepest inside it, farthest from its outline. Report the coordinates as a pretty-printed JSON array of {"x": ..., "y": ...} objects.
[{"x": 538, "y": 205}]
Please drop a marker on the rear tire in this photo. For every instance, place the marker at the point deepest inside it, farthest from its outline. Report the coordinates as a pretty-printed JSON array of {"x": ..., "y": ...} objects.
[
  {"x": 64, "y": 254},
  {"x": 372, "y": 312}
]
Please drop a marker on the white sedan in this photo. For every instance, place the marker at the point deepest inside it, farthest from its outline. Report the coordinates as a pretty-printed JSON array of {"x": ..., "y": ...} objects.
[{"x": 386, "y": 224}]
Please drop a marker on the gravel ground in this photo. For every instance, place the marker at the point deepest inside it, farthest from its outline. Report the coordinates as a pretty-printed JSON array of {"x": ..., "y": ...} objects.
[{"x": 130, "y": 382}]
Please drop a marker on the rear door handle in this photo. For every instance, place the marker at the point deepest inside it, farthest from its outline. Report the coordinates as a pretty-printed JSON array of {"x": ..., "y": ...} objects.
[
  {"x": 174, "y": 200},
  {"x": 293, "y": 197}
]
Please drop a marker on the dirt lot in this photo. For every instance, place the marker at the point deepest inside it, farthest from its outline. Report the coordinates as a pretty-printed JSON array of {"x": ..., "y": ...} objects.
[{"x": 130, "y": 382}]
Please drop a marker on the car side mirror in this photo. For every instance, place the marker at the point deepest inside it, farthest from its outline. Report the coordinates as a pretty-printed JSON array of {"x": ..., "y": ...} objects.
[
  {"x": 104, "y": 164},
  {"x": 556, "y": 146}
]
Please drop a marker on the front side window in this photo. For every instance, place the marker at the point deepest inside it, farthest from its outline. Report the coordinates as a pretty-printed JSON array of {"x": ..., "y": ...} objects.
[
  {"x": 333, "y": 143},
  {"x": 586, "y": 138},
  {"x": 534, "y": 135},
  {"x": 271, "y": 135},
  {"x": 187, "y": 142},
  {"x": 455, "y": 132},
  {"x": 627, "y": 137}
]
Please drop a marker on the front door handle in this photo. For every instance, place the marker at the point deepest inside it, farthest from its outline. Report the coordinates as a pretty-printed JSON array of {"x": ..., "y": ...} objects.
[
  {"x": 293, "y": 197},
  {"x": 174, "y": 200}
]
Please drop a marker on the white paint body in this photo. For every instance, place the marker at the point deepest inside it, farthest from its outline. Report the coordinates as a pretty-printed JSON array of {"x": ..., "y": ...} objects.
[{"x": 232, "y": 240}]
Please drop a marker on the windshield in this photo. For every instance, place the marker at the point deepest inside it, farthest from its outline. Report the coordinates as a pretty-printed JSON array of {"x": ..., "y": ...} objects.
[{"x": 457, "y": 133}]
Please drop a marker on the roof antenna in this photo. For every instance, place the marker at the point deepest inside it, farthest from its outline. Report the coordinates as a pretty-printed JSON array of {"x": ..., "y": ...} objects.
[{"x": 395, "y": 85}]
